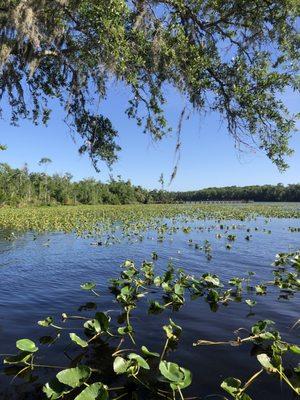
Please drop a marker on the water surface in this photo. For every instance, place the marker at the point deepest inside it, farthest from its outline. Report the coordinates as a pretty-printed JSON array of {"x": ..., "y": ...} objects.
[{"x": 41, "y": 276}]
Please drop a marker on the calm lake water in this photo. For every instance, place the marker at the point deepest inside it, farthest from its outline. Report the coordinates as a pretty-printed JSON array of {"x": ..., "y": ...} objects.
[{"x": 42, "y": 277}]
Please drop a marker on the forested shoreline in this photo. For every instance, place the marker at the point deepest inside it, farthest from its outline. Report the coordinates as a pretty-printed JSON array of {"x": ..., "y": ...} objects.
[
  {"x": 20, "y": 187},
  {"x": 270, "y": 193}
]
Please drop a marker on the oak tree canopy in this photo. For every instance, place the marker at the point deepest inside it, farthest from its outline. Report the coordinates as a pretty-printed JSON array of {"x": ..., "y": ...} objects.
[{"x": 235, "y": 57}]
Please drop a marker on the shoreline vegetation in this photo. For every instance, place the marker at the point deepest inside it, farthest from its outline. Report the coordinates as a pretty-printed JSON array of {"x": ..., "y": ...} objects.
[
  {"x": 21, "y": 188},
  {"x": 133, "y": 219}
]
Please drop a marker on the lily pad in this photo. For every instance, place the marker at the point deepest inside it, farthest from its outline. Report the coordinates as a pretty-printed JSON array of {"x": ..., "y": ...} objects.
[
  {"x": 74, "y": 377},
  {"x": 26, "y": 345},
  {"x": 96, "y": 391},
  {"x": 88, "y": 286},
  {"x": 76, "y": 339}
]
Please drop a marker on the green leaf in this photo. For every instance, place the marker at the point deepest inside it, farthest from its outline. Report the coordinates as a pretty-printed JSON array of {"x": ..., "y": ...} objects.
[
  {"x": 26, "y": 345},
  {"x": 74, "y": 377},
  {"x": 265, "y": 361},
  {"x": 213, "y": 296},
  {"x": 88, "y": 286},
  {"x": 128, "y": 264},
  {"x": 185, "y": 382},
  {"x": 250, "y": 303},
  {"x": 78, "y": 340},
  {"x": 178, "y": 289},
  {"x": 166, "y": 287},
  {"x": 172, "y": 330},
  {"x": 103, "y": 320},
  {"x": 260, "y": 289},
  {"x": 245, "y": 396},
  {"x": 92, "y": 325},
  {"x": 176, "y": 328},
  {"x": 214, "y": 280},
  {"x": 55, "y": 389},
  {"x": 120, "y": 365},
  {"x": 123, "y": 330},
  {"x": 231, "y": 386},
  {"x": 170, "y": 371},
  {"x": 96, "y": 391},
  {"x": 148, "y": 353},
  {"x": 267, "y": 336},
  {"x": 46, "y": 322},
  {"x": 140, "y": 360},
  {"x": 155, "y": 307},
  {"x": 177, "y": 377},
  {"x": 261, "y": 326},
  {"x": 157, "y": 281},
  {"x": 99, "y": 324},
  {"x": 294, "y": 349},
  {"x": 297, "y": 369}
]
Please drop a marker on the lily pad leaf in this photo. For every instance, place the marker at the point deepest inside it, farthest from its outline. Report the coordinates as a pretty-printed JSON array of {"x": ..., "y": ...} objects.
[
  {"x": 140, "y": 360},
  {"x": 123, "y": 330},
  {"x": 178, "y": 289},
  {"x": 231, "y": 386},
  {"x": 212, "y": 279},
  {"x": 88, "y": 286},
  {"x": 265, "y": 361},
  {"x": 99, "y": 324},
  {"x": 26, "y": 345},
  {"x": 76, "y": 339},
  {"x": 104, "y": 320},
  {"x": 294, "y": 349},
  {"x": 55, "y": 389},
  {"x": 92, "y": 325},
  {"x": 185, "y": 382},
  {"x": 250, "y": 303},
  {"x": 148, "y": 353},
  {"x": 175, "y": 375},
  {"x": 74, "y": 377},
  {"x": 96, "y": 391},
  {"x": 46, "y": 322},
  {"x": 155, "y": 307},
  {"x": 120, "y": 365}
]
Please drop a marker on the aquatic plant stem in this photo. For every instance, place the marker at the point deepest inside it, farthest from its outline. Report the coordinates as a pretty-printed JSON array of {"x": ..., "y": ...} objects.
[
  {"x": 121, "y": 351},
  {"x": 149, "y": 387},
  {"x": 19, "y": 373},
  {"x": 180, "y": 393},
  {"x": 251, "y": 380},
  {"x": 120, "y": 397},
  {"x": 128, "y": 324},
  {"x": 164, "y": 350}
]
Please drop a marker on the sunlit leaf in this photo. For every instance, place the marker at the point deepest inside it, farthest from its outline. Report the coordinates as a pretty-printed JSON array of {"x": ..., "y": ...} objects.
[
  {"x": 76, "y": 339},
  {"x": 26, "y": 345},
  {"x": 74, "y": 377},
  {"x": 96, "y": 391}
]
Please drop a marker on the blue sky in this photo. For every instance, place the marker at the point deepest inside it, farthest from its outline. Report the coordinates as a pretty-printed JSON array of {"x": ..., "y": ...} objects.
[{"x": 208, "y": 157}]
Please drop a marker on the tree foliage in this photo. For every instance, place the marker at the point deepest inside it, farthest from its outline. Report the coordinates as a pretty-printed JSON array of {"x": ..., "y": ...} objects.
[
  {"x": 19, "y": 187},
  {"x": 235, "y": 57},
  {"x": 277, "y": 192},
  {"x": 22, "y": 187}
]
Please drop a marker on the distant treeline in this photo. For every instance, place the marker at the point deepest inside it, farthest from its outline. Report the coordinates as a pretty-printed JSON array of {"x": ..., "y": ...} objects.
[
  {"x": 245, "y": 193},
  {"x": 21, "y": 187}
]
